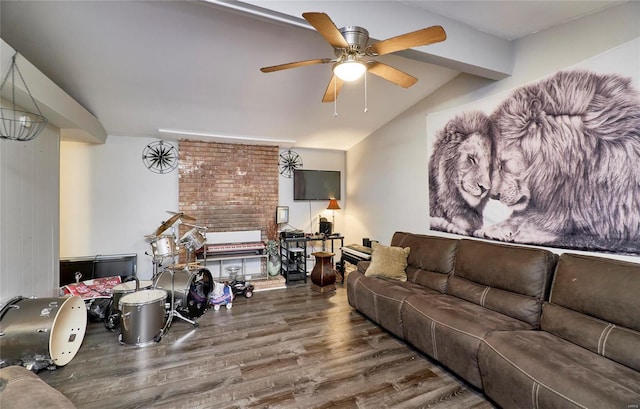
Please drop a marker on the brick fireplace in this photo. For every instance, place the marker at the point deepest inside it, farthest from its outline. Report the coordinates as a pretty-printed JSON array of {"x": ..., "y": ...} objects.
[{"x": 229, "y": 187}]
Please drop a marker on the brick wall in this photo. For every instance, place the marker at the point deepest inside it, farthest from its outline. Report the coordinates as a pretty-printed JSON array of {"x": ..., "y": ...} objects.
[{"x": 229, "y": 187}]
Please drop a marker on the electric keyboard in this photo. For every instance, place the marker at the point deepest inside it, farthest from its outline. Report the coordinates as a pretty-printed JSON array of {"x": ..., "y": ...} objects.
[
  {"x": 256, "y": 247},
  {"x": 355, "y": 252}
]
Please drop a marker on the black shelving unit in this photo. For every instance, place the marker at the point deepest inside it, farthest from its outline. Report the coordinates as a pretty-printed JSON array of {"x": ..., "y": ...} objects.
[{"x": 293, "y": 253}]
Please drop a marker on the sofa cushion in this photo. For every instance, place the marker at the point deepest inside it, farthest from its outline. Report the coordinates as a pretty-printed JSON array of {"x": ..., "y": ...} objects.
[
  {"x": 604, "y": 288},
  {"x": 21, "y": 388},
  {"x": 388, "y": 262},
  {"x": 534, "y": 369},
  {"x": 431, "y": 258},
  {"x": 381, "y": 299},
  {"x": 512, "y": 280},
  {"x": 516, "y": 305},
  {"x": 594, "y": 304},
  {"x": 450, "y": 330}
]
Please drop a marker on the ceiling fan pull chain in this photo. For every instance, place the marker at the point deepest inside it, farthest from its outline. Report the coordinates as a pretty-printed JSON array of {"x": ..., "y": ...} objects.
[
  {"x": 365, "y": 92},
  {"x": 335, "y": 98}
]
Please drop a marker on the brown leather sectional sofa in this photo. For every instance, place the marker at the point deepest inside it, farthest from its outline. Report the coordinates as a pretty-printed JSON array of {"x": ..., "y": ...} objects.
[{"x": 530, "y": 329}]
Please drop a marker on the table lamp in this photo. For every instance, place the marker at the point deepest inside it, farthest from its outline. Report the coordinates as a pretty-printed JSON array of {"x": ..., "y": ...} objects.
[{"x": 333, "y": 206}]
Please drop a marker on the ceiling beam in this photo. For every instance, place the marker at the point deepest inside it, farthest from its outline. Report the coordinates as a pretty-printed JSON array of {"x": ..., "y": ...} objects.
[
  {"x": 62, "y": 111},
  {"x": 465, "y": 49}
]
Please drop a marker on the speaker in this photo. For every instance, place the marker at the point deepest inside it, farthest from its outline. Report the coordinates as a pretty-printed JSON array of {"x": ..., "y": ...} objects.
[{"x": 325, "y": 228}]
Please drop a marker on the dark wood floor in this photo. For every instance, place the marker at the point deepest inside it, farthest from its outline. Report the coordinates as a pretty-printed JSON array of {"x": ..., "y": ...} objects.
[{"x": 292, "y": 348}]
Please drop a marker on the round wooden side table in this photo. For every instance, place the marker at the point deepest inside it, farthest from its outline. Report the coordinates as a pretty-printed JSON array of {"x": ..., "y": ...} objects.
[{"x": 323, "y": 276}]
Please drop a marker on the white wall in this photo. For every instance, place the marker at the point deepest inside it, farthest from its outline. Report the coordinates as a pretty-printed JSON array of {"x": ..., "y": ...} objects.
[
  {"x": 109, "y": 200},
  {"x": 304, "y": 214},
  {"x": 29, "y": 229},
  {"x": 387, "y": 172}
]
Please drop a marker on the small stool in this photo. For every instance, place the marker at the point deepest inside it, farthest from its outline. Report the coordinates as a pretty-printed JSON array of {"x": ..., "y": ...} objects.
[{"x": 323, "y": 276}]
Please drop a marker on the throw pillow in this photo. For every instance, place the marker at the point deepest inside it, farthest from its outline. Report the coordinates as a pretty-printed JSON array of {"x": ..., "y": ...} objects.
[{"x": 388, "y": 262}]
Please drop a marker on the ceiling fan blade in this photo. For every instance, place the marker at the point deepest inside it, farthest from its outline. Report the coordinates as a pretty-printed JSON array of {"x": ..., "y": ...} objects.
[
  {"x": 425, "y": 36},
  {"x": 323, "y": 24},
  {"x": 295, "y": 65},
  {"x": 333, "y": 89},
  {"x": 391, "y": 74}
]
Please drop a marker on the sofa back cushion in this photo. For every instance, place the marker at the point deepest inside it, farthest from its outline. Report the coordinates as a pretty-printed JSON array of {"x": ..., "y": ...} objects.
[
  {"x": 594, "y": 303},
  {"x": 512, "y": 280},
  {"x": 430, "y": 260}
]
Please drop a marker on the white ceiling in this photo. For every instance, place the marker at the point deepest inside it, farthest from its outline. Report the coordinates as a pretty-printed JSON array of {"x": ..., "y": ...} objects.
[{"x": 194, "y": 65}]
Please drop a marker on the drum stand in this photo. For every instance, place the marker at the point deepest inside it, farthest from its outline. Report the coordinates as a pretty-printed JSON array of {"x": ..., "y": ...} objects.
[
  {"x": 186, "y": 265},
  {"x": 173, "y": 312}
]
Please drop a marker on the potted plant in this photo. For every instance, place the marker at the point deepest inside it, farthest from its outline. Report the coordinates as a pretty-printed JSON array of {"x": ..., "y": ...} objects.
[{"x": 273, "y": 258}]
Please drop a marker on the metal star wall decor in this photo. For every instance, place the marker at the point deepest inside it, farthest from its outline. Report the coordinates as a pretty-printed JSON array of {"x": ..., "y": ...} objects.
[
  {"x": 289, "y": 161},
  {"x": 160, "y": 157}
]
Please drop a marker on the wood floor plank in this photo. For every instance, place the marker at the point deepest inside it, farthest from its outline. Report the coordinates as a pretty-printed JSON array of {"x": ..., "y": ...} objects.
[{"x": 290, "y": 348}]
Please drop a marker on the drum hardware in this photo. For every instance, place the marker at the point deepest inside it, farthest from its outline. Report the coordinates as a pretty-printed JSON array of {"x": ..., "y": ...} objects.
[
  {"x": 173, "y": 312},
  {"x": 162, "y": 246}
]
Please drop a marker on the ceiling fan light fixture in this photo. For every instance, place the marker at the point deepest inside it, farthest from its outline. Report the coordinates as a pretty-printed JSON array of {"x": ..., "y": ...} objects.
[{"x": 349, "y": 70}]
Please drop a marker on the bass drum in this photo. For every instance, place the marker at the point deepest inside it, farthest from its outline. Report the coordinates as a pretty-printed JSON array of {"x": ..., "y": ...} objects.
[
  {"x": 41, "y": 332},
  {"x": 191, "y": 290}
]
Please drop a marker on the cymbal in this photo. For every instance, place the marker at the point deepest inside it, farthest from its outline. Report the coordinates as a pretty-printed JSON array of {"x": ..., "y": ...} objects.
[
  {"x": 184, "y": 216},
  {"x": 164, "y": 226},
  {"x": 195, "y": 227}
]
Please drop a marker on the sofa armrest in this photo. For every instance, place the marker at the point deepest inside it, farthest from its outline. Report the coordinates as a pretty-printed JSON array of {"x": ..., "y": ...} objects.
[{"x": 363, "y": 266}]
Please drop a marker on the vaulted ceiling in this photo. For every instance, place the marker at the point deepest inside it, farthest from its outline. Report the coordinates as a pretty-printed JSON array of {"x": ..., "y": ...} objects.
[{"x": 193, "y": 66}]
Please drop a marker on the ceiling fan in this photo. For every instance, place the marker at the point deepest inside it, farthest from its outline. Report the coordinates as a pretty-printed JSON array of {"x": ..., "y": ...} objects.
[{"x": 351, "y": 47}]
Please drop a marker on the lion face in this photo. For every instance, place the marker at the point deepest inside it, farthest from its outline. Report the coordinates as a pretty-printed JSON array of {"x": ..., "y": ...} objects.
[
  {"x": 510, "y": 177},
  {"x": 474, "y": 168}
]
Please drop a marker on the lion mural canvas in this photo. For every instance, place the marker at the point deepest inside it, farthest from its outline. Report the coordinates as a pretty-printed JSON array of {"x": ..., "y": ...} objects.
[{"x": 559, "y": 160}]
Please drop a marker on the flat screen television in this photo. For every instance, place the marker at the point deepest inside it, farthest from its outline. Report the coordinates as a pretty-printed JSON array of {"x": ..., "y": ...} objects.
[{"x": 316, "y": 184}]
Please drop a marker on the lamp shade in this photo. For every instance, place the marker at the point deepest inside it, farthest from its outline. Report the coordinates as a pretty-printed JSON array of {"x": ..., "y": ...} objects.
[{"x": 333, "y": 205}]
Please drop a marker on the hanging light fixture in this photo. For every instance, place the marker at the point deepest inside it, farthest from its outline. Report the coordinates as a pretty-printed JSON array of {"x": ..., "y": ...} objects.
[
  {"x": 350, "y": 69},
  {"x": 16, "y": 124}
]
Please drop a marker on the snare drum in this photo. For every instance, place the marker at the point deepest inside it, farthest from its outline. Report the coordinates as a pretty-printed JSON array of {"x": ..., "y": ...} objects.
[
  {"x": 128, "y": 287},
  {"x": 191, "y": 289},
  {"x": 40, "y": 332},
  {"x": 164, "y": 246},
  {"x": 142, "y": 316},
  {"x": 192, "y": 240}
]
